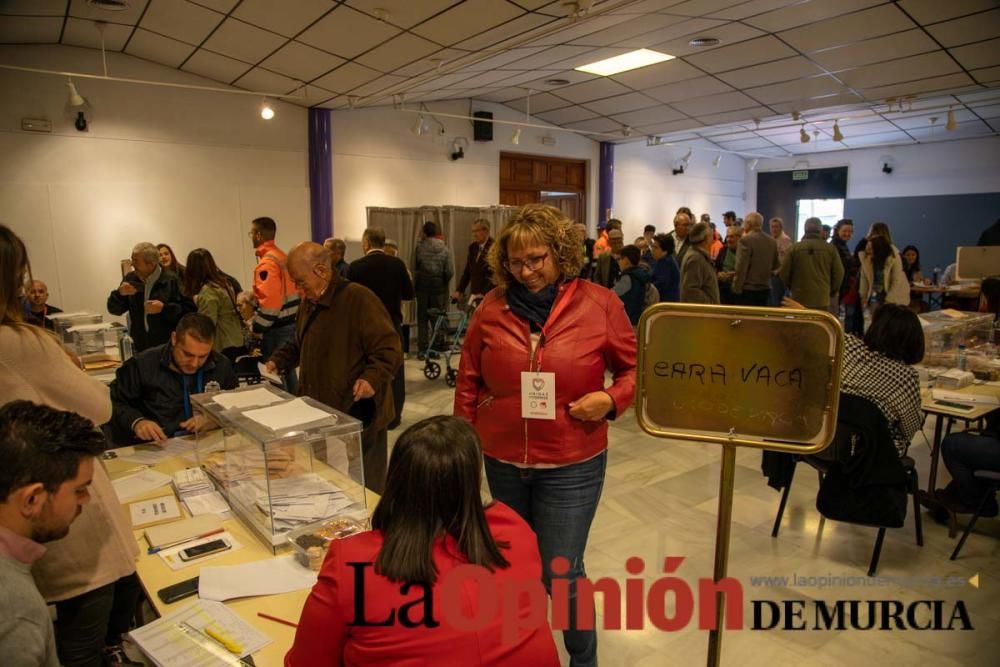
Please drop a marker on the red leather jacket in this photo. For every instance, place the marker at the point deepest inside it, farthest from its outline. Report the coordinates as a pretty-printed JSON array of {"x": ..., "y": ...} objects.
[{"x": 588, "y": 335}]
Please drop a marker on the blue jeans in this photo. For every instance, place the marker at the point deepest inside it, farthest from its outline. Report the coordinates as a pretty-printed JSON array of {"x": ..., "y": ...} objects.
[
  {"x": 963, "y": 454},
  {"x": 777, "y": 291},
  {"x": 559, "y": 504},
  {"x": 272, "y": 341}
]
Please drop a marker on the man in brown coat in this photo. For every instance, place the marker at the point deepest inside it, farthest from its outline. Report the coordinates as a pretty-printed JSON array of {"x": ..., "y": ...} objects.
[{"x": 347, "y": 351}]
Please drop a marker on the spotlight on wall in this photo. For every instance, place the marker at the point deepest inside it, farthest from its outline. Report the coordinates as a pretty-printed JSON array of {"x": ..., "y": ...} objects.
[
  {"x": 516, "y": 138},
  {"x": 717, "y": 161},
  {"x": 803, "y": 135},
  {"x": 951, "y": 125},
  {"x": 420, "y": 125},
  {"x": 753, "y": 164},
  {"x": 886, "y": 168},
  {"x": 75, "y": 98},
  {"x": 81, "y": 122},
  {"x": 679, "y": 169},
  {"x": 686, "y": 159},
  {"x": 837, "y": 134},
  {"x": 458, "y": 146},
  {"x": 266, "y": 110}
]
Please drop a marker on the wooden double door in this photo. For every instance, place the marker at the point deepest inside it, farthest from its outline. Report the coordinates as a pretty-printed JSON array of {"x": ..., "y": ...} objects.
[{"x": 531, "y": 179}]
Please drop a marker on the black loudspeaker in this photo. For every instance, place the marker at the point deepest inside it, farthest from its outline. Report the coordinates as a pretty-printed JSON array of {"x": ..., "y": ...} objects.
[{"x": 482, "y": 130}]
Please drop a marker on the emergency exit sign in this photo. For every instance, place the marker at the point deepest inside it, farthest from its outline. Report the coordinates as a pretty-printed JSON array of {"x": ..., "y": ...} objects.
[{"x": 800, "y": 175}]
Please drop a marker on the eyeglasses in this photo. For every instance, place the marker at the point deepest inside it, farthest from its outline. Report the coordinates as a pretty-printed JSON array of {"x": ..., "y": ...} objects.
[{"x": 532, "y": 264}]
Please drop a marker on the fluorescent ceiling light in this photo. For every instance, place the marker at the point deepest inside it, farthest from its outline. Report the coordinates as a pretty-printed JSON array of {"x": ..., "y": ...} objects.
[{"x": 625, "y": 62}]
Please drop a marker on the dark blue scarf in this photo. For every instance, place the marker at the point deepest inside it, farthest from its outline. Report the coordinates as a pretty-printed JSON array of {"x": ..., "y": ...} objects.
[{"x": 533, "y": 307}]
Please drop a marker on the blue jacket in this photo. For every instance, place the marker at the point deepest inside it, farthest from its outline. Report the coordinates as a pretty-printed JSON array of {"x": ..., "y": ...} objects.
[
  {"x": 631, "y": 289},
  {"x": 667, "y": 279}
]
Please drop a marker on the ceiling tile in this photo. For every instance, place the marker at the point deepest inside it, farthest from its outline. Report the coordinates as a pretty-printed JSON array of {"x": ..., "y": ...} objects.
[
  {"x": 266, "y": 82},
  {"x": 971, "y": 129},
  {"x": 498, "y": 35},
  {"x": 745, "y": 144},
  {"x": 637, "y": 32},
  {"x": 445, "y": 81},
  {"x": 889, "y": 47},
  {"x": 301, "y": 62},
  {"x": 545, "y": 59},
  {"x": 530, "y": 80},
  {"x": 988, "y": 111},
  {"x": 183, "y": 21},
  {"x": 932, "y": 11},
  {"x": 347, "y": 32},
  {"x": 652, "y": 116},
  {"x": 802, "y": 13},
  {"x": 213, "y": 66},
  {"x": 289, "y": 20},
  {"x": 919, "y": 122},
  {"x": 567, "y": 115},
  {"x": 702, "y": 7},
  {"x": 503, "y": 95},
  {"x": 467, "y": 19},
  {"x": 671, "y": 126},
  {"x": 736, "y": 56},
  {"x": 816, "y": 103},
  {"x": 397, "y": 52},
  {"x": 375, "y": 88},
  {"x": 221, "y": 6},
  {"x": 437, "y": 59},
  {"x": 979, "y": 97},
  {"x": 347, "y": 77},
  {"x": 621, "y": 103},
  {"x": 987, "y": 74},
  {"x": 935, "y": 84},
  {"x": 714, "y": 103},
  {"x": 849, "y": 28},
  {"x": 572, "y": 76},
  {"x": 905, "y": 69},
  {"x": 973, "y": 28},
  {"x": 976, "y": 56},
  {"x": 658, "y": 75},
  {"x": 159, "y": 49},
  {"x": 684, "y": 90},
  {"x": 803, "y": 89},
  {"x": 404, "y": 13},
  {"x": 595, "y": 125},
  {"x": 501, "y": 59},
  {"x": 592, "y": 90},
  {"x": 539, "y": 103},
  {"x": 751, "y": 8},
  {"x": 647, "y": 6},
  {"x": 243, "y": 41},
  {"x": 30, "y": 29},
  {"x": 577, "y": 29},
  {"x": 855, "y": 130},
  {"x": 728, "y": 34},
  {"x": 34, "y": 7},
  {"x": 740, "y": 115},
  {"x": 130, "y": 16},
  {"x": 81, "y": 32},
  {"x": 877, "y": 138},
  {"x": 780, "y": 70}
]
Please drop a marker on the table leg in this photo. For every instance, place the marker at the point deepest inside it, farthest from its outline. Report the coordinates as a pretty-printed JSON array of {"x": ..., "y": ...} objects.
[{"x": 927, "y": 497}]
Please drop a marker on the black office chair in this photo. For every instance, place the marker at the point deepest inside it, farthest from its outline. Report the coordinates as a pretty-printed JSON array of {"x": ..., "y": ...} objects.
[
  {"x": 862, "y": 479},
  {"x": 992, "y": 480},
  {"x": 247, "y": 371}
]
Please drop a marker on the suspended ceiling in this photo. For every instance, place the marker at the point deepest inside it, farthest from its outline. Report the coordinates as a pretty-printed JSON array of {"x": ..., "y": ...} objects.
[{"x": 828, "y": 59}]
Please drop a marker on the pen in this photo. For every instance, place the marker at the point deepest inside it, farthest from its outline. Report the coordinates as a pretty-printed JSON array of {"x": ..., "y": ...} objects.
[
  {"x": 153, "y": 550},
  {"x": 277, "y": 620}
]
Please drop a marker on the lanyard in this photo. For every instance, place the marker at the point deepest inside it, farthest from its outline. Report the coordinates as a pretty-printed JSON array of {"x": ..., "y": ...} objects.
[
  {"x": 561, "y": 304},
  {"x": 199, "y": 377}
]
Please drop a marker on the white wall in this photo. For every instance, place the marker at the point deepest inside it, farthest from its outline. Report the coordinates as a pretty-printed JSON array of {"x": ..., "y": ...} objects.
[
  {"x": 943, "y": 168},
  {"x": 379, "y": 161},
  {"x": 187, "y": 168},
  {"x": 647, "y": 193}
]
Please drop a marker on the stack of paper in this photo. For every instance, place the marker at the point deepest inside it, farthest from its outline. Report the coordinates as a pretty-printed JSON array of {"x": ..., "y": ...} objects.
[
  {"x": 153, "y": 454},
  {"x": 132, "y": 486},
  {"x": 297, "y": 500},
  {"x": 269, "y": 576},
  {"x": 192, "y": 482}
]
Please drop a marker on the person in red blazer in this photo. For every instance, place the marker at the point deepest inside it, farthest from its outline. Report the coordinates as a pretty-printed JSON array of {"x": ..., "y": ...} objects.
[
  {"x": 545, "y": 325},
  {"x": 399, "y": 595}
]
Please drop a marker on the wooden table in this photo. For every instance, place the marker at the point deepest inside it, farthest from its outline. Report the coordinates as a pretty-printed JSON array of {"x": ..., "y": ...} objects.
[
  {"x": 935, "y": 293},
  {"x": 940, "y": 412},
  {"x": 155, "y": 574}
]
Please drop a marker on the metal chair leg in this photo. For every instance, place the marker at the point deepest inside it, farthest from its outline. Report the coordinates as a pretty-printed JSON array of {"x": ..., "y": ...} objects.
[
  {"x": 972, "y": 522},
  {"x": 784, "y": 501},
  {"x": 877, "y": 552},
  {"x": 918, "y": 521}
]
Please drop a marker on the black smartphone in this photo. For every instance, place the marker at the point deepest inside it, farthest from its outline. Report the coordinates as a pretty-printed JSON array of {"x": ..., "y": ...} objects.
[
  {"x": 205, "y": 549},
  {"x": 178, "y": 591}
]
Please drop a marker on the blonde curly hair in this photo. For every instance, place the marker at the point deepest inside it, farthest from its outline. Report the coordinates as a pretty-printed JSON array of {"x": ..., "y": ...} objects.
[{"x": 538, "y": 224}]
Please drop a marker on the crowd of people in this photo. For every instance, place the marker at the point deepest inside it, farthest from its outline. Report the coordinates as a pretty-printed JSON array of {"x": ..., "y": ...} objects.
[{"x": 556, "y": 313}]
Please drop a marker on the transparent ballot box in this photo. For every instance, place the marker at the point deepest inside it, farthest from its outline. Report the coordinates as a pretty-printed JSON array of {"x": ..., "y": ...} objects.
[
  {"x": 66, "y": 321},
  {"x": 282, "y": 462},
  {"x": 96, "y": 339},
  {"x": 945, "y": 330}
]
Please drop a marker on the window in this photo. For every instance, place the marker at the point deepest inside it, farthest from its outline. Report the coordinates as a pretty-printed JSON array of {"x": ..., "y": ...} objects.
[{"x": 827, "y": 210}]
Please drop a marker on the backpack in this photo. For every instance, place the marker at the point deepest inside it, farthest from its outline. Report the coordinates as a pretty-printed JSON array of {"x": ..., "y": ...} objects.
[{"x": 650, "y": 295}]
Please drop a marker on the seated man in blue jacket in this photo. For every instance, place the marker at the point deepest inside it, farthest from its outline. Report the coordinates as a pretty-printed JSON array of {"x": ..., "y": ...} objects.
[{"x": 151, "y": 393}]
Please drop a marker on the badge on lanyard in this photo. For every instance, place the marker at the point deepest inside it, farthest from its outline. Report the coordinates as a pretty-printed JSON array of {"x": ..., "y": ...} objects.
[{"x": 538, "y": 395}]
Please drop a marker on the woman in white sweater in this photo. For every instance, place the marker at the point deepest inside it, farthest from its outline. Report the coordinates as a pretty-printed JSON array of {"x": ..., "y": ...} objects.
[{"x": 83, "y": 572}]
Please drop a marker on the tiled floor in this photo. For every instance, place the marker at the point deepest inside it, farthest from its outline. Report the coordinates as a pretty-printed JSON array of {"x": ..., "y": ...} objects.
[{"x": 660, "y": 499}]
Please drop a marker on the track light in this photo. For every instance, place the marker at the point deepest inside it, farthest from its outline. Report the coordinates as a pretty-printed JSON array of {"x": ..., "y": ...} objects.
[
  {"x": 687, "y": 158},
  {"x": 803, "y": 135},
  {"x": 516, "y": 139},
  {"x": 75, "y": 98},
  {"x": 420, "y": 126},
  {"x": 796, "y": 115},
  {"x": 753, "y": 164},
  {"x": 837, "y": 134},
  {"x": 717, "y": 160},
  {"x": 266, "y": 110},
  {"x": 951, "y": 125}
]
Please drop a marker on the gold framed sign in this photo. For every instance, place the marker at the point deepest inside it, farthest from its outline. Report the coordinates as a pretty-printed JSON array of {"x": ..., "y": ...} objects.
[{"x": 758, "y": 377}]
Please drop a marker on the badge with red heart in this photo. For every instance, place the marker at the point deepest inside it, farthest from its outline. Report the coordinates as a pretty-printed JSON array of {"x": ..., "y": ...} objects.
[{"x": 538, "y": 383}]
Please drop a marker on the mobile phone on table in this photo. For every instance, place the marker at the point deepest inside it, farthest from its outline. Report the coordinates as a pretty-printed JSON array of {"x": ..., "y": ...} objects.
[
  {"x": 178, "y": 591},
  {"x": 201, "y": 550}
]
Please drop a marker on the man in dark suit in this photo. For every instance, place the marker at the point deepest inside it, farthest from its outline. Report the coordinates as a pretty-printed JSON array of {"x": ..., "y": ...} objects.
[
  {"x": 478, "y": 276},
  {"x": 388, "y": 278}
]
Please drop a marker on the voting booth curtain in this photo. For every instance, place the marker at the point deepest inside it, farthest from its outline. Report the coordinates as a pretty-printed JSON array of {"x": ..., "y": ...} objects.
[{"x": 403, "y": 225}]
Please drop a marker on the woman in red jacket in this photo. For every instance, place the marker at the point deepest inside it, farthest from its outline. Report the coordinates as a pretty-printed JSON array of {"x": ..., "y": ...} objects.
[
  {"x": 402, "y": 593},
  {"x": 545, "y": 445}
]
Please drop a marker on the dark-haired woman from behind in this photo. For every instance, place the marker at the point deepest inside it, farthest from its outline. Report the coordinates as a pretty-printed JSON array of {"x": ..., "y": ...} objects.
[
  {"x": 214, "y": 296},
  {"x": 429, "y": 521}
]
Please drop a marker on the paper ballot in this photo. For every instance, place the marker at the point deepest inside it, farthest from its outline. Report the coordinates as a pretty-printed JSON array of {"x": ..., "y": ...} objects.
[
  {"x": 288, "y": 415},
  {"x": 251, "y": 398},
  {"x": 132, "y": 486},
  {"x": 270, "y": 576}
]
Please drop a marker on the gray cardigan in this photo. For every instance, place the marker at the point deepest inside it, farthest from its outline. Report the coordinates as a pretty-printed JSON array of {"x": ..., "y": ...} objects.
[
  {"x": 699, "y": 283},
  {"x": 756, "y": 260}
]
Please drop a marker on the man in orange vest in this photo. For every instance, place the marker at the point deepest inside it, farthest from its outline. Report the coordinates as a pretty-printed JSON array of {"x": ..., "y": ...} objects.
[{"x": 275, "y": 295}]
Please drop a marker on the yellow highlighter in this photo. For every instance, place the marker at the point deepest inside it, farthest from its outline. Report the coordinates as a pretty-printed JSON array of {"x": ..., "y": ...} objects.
[{"x": 228, "y": 642}]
